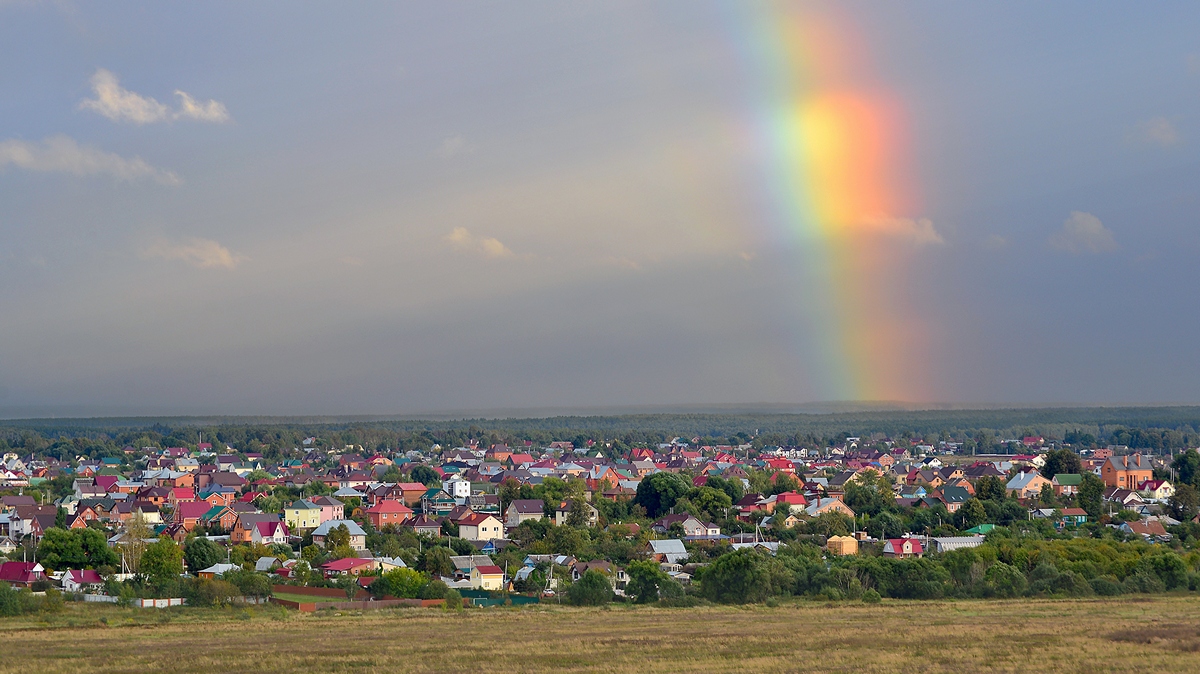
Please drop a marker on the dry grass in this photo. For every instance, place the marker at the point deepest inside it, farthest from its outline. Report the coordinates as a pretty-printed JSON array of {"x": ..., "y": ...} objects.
[{"x": 1015, "y": 636}]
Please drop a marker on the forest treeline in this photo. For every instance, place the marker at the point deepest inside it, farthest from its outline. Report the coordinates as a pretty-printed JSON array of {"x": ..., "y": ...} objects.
[{"x": 1158, "y": 429}]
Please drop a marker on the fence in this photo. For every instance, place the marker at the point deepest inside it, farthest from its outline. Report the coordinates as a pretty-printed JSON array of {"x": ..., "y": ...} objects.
[{"x": 99, "y": 599}]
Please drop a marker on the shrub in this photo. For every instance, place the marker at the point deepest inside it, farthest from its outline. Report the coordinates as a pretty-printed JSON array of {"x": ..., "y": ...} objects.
[
  {"x": 871, "y": 597},
  {"x": 592, "y": 589},
  {"x": 454, "y": 600}
]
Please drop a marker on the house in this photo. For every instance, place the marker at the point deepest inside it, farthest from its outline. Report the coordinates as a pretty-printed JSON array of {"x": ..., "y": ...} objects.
[
  {"x": 1123, "y": 497},
  {"x": 331, "y": 508},
  {"x": 1159, "y": 490},
  {"x": 563, "y": 511},
  {"x": 669, "y": 551},
  {"x": 953, "y": 497},
  {"x": 902, "y": 547},
  {"x": 1026, "y": 485},
  {"x": 480, "y": 527},
  {"x": 1066, "y": 484},
  {"x": 820, "y": 506},
  {"x": 1152, "y": 530},
  {"x": 580, "y": 568},
  {"x": 693, "y": 527},
  {"x": 1126, "y": 472},
  {"x": 842, "y": 545},
  {"x": 410, "y": 492},
  {"x": 358, "y": 537},
  {"x": 464, "y": 563},
  {"x": 348, "y": 566},
  {"x": 424, "y": 524},
  {"x": 1072, "y": 517},
  {"x": 218, "y": 569},
  {"x": 487, "y": 577},
  {"x": 21, "y": 574},
  {"x": 81, "y": 580},
  {"x": 523, "y": 510},
  {"x": 190, "y": 513},
  {"x": 387, "y": 513},
  {"x": 302, "y": 514},
  {"x": 246, "y": 526},
  {"x": 269, "y": 532}
]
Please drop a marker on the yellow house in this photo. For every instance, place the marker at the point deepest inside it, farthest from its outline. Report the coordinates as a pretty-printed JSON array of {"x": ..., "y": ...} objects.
[
  {"x": 487, "y": 578},
  {"x": 302, "y": 514},
  {"x": 842, "y": 545}
]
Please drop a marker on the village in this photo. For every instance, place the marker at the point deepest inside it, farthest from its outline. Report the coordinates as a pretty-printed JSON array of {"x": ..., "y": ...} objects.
[{"x": 500, "y": 525}]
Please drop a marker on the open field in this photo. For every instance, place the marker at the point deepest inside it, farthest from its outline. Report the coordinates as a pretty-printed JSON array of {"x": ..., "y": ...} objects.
[
  {"x": 304, "y": 598},
  {"x": 1126, "y": 635}
]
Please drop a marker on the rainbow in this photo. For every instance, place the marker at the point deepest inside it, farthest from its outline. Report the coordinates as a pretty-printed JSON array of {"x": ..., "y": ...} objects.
[{"x": 835, "y": 147}]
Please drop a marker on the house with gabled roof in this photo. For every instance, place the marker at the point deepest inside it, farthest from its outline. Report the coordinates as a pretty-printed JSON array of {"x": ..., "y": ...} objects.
[
  {"x": 523, "y": 510},
  {"x": 387, "y": 513},
  {"x": 902, "y": 547}
]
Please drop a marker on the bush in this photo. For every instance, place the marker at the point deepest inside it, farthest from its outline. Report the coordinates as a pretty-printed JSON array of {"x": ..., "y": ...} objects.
[
  {"x": 592, "y": 589},
  {"x": 454, "y": 600},
  {"x": 434, "y": 589},
  {"x": 871, "y": 597}
]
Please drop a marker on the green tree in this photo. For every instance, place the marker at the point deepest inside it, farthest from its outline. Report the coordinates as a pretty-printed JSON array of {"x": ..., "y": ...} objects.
[
  {"x": 738, "y": 577},
  {"x": 435, "y": 561},
  {"x": 1046, "y": 496},
  {"x": 162, "y": 561},
  {"x": 426, "y": 476},
  {"x": 1061, "y": 461},
  {"x": 990, "y": 488},
  {"x": 1187, "y": 467},
  {"x": 1091, "y": 494},
  {"x": 403, "y": 583},
  {"x": 733, "y": 488},
  {"x": 202, "y": 553},
  {"x": 971, "y": 514},
  {"x": 1184, "y": 504},
  {"x": 337, "y": 537},
  {"x": 648, "y": 583},
  {"x": 658, "y": 493},
  {"x": 592, "y": 589}
]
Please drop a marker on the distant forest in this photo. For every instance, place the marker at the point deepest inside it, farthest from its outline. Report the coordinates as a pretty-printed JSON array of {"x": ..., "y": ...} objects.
[{"x": 1157, "y": 429}]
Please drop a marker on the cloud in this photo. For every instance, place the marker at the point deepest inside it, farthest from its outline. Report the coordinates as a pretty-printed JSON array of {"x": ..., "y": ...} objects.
[
  {"x": 200, "y": 253},
  {"x": 462, "y": 239},
  {"x": 918, "y": 231},
  {"x": 1157, "y": 131},
  {"x": 452, "y": 147},
  {"x": 120, "y": 104},
  {"x": 995, "y": 242},
  {"x": 206, "y": 111},
  {"x": 61, "y": 154},
  {"x": 1083, "y": 233}
]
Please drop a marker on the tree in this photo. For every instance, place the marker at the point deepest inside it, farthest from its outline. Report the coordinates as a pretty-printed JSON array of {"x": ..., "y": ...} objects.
[
  {"x": 435, "y": 561},
  {"x": 577, "y": 513},
  {"x": 738, "y": 577},
  {"x": 1187, "y": 467},
  {"x": 657, "y": 493},
  {"x": 1091, "y": 493},
  {"x": 648, "y": 583},
  {"x": 592, "y": 589},
  {"x": 425, "y": 475},
  {"x": 1185, "y": 503},
  {"x": 711, "y": 501},
  {"x": 202, "y": 553},
  {"x": 134, "y": 542},
  {"x": 401, "y": 582},
  {"x": 731, "y": 487},
  {"x": 971, "y": 514},
  {"x": 1061, "y": 461},
  {"x": 1046, "y": 497},
  {"x": 337, "y": 537},
  {"x": 990, "y": 487},
  {"x": 162, "y": 561}
]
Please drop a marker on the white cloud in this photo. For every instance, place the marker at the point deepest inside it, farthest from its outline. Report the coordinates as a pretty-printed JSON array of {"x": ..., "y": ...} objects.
[
  {"x": 204, "y": 111},
  {"x": 917, "y": 231},
  {"x": 463, "y": 239},
  {"x": 120, "y": 104},
  {"x": 1157, "y": 131},
  {"x": 61, "y": 154},
  {"x": 1083, "y": 233},
  {"x": 200, "y": 253}
]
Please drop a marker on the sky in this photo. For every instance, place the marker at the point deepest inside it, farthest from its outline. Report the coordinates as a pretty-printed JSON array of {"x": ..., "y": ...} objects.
[{"x": 405, "y": 208}]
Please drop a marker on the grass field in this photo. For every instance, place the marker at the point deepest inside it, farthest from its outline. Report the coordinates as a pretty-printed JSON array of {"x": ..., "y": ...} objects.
[
  {"x": 1126, "y": 635},
  {"x": 304, "y": 598}
]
